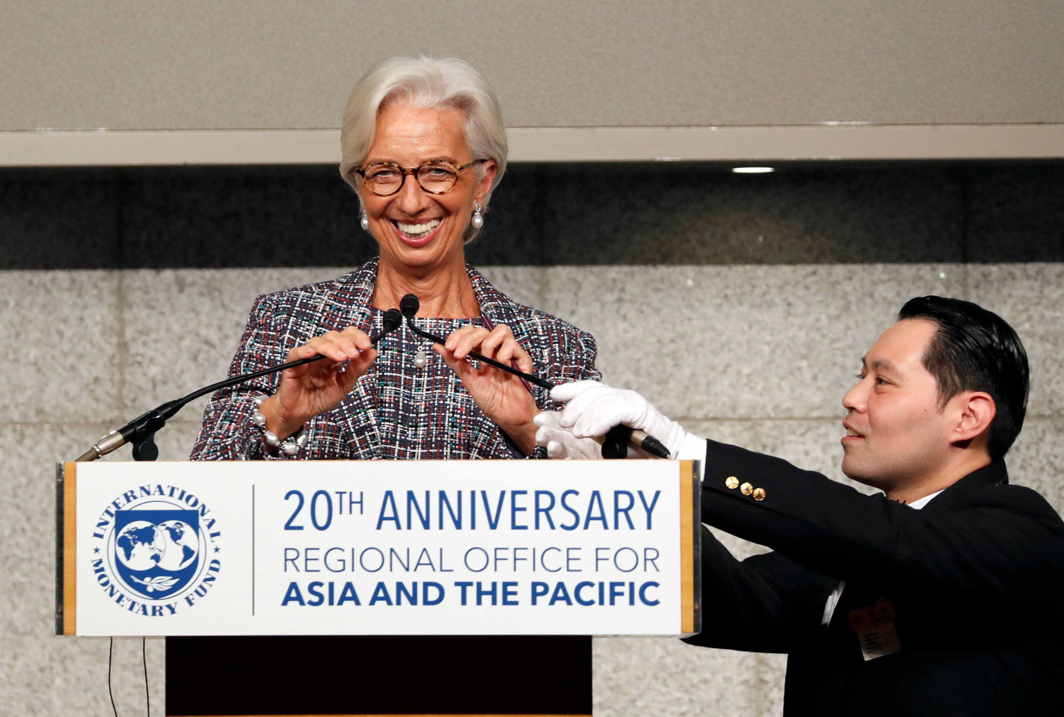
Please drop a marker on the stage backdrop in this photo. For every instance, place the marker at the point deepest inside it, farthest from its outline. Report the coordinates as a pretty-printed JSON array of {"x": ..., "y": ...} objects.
[{"x": 741, "y": 305}]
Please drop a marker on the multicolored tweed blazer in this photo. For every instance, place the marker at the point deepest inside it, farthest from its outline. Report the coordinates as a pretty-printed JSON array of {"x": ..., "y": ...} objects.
[{"x": 396, "y": 410}]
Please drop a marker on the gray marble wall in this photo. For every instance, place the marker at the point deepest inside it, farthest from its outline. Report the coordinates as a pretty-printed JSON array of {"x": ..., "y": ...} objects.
[{"x": 740, "y": 304}]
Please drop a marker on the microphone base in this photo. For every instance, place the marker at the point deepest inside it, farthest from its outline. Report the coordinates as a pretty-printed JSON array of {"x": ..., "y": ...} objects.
[{"x": 615, "y": 442}]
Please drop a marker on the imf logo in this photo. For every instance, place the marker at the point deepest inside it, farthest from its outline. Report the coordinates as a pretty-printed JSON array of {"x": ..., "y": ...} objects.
[{"x": 157, "y": 550}]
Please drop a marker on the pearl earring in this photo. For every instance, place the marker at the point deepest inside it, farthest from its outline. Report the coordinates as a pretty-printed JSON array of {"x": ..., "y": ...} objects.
[
  {"x": 364, "y": 222},
  {"x": 477, "y": 221}
]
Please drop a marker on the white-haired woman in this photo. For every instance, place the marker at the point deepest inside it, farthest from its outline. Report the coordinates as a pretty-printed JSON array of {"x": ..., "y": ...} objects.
[{"x": 423, "y": 146}]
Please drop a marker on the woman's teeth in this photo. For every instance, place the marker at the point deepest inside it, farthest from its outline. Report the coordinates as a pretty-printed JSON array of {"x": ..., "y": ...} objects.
[{"x": 416, "y": 230}]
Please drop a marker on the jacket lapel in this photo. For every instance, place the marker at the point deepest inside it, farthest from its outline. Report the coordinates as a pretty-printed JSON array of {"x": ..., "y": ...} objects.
[
  {"x": 359, "y": 409},
  {"x": 858, "y": 598}
]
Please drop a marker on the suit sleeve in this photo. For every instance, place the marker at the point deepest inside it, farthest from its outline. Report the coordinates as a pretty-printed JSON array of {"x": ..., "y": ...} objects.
[
  {"x": 1002, "y": 544},
  {"x": 586, "y": 353},
  {"x": 561, "y": 353},
  {"x": 766, "y": 603},
  {"x": 227, "y": 432},
  {"x": 568, "y": 355},
  {"x": 572, "y": 358}
]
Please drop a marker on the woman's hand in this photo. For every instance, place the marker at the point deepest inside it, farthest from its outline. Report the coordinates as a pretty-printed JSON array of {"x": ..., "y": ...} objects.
[
  {"x": 313, "y": 388},
  {"x": 502, "y": 396}
]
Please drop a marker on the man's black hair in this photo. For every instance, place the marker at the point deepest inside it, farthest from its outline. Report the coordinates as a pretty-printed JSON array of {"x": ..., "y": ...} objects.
[{"x": 976, "y": 350}]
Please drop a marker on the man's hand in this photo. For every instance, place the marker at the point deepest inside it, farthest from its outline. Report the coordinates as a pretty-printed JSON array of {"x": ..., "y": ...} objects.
[
  {"x": 560, "y": 442},
  {"x": 593, "y": 408}
]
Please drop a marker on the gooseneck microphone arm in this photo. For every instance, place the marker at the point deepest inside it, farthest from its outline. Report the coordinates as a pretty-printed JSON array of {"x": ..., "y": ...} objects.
[
  {"x": 409, "y": 306},
  {"x": 141, "y": 430},
  {"x": 616, "y": 439}
]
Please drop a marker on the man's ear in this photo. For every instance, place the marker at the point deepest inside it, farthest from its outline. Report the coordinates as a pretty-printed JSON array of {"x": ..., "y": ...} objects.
[{"x": 974, "y": 412}]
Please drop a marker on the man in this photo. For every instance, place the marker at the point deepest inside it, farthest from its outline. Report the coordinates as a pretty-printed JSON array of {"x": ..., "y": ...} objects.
[{"x": 939, "y": 597}]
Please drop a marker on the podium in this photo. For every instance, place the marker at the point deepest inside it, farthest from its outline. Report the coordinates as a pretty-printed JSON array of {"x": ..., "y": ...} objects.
[{"x": 378, "y": 587}]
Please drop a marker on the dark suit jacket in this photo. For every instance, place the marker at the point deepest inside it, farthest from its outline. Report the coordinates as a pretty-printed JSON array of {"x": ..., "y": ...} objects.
[{"x": 974, "y": 580}]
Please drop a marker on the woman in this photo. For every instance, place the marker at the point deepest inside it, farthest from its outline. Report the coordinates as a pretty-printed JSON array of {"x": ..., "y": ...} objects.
[{"x": 423, "y": 146}]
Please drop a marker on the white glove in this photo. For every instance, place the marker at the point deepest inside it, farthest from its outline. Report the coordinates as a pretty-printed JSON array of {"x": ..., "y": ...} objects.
[
  {"x": 593, "y": 408},
  {"x": 560, "y": 442}
]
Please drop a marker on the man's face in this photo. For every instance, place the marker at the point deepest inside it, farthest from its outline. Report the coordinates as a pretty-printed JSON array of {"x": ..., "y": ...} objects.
[{"x": 896, "y": 436}]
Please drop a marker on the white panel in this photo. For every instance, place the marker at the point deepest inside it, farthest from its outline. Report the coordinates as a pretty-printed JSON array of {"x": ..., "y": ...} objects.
[
  {"x": 198, "y": 64},
  {"x": 548, "y": 144}
]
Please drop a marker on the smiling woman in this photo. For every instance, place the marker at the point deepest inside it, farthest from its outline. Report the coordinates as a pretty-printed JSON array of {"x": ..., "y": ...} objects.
[
  {"x": 422, "y": 225},
  {"x": 424, "y": 147}
]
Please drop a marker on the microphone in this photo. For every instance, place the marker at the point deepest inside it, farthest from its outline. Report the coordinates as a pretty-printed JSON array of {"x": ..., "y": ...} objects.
[
  {"x": 391, "y": 320},
  {"x": 141, "y": 429},
  {"x": 616, "y": 441},
  {"x": 617, "y": 438},
  {"x": 410, "y": 304}
]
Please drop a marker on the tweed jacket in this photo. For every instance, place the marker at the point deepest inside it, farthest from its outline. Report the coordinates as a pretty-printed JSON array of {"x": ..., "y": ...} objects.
[
  {"x": 395, "y": 410},
  {"x": 954, "y": 609}
]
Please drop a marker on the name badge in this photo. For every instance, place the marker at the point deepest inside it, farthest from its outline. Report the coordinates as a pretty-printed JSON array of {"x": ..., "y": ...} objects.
[{"x": 875, "y": 629}]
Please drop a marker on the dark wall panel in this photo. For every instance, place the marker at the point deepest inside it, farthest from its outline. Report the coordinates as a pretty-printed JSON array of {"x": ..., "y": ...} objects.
[{"x": 603, "y": 214}]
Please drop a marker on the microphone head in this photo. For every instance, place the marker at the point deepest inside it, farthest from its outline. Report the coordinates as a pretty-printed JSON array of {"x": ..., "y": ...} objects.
[
  {"x": 391, "y": 320},
  {"x": 409, "y": 305}
]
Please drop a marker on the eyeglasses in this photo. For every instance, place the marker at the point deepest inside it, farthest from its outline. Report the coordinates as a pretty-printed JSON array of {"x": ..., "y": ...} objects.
[{"x": 386, "y": 178}]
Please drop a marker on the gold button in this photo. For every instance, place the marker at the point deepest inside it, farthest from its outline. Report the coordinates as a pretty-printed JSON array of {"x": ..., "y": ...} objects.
[
  {"x": 746, "y": 489},
  {"x": 732, "y": 482},
  {"x": 759, "y": 494}
]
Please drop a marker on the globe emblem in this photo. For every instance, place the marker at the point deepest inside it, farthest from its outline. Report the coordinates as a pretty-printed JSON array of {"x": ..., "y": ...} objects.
[
  {"x": 169, "y": 545},
  {"x": 139, "y": 546},
  {"x": 157, "y": 550}
]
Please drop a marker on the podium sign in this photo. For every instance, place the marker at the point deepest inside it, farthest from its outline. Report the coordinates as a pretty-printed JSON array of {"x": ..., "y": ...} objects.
[{"x": 378, "y": 548}]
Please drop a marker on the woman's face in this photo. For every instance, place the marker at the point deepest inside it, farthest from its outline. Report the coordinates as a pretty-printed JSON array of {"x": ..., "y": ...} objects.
[{"x": 415, "y": 229}]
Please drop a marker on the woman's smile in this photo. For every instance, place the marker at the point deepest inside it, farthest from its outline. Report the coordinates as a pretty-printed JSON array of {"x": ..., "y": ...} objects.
[{"x": 417, "y": 234}]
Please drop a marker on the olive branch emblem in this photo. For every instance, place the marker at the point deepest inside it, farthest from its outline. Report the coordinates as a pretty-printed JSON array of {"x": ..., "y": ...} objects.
[{"x": 158, "y": 583}]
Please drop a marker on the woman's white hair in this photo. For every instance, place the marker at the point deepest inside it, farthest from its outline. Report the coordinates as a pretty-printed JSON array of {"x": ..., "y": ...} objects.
[{"x": 424, "y": 82}]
